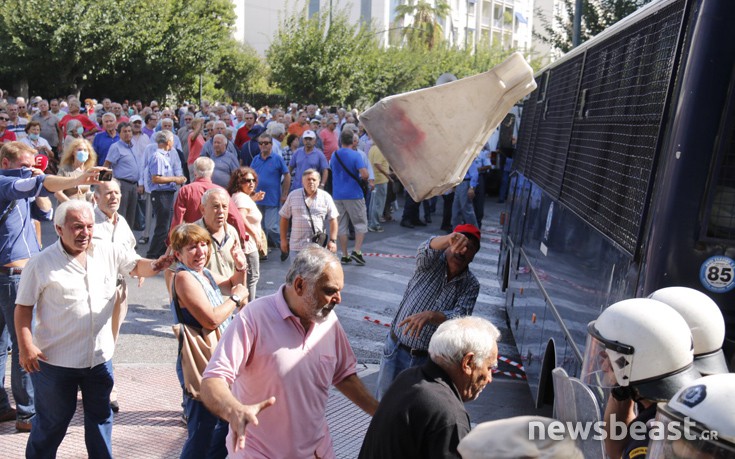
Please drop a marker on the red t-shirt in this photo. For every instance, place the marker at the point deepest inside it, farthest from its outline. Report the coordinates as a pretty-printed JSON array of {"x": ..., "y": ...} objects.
[
  {"x": 8, "y": 136},
  {"x": 87, "y": 123}
]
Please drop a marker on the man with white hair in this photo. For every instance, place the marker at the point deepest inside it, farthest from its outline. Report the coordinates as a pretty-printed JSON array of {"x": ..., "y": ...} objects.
[
  {"x": 224, "y": 163},
  {"x": 423, "y": 414},
  {"x": 208, "y": 149},
  {"x": 90, "y": 127},
  {"x": 105, "y": 139},
  {"x": 278, "y": 133},
  {"x": 72, "y": 285},
  {"x": 214, "y": 207}
]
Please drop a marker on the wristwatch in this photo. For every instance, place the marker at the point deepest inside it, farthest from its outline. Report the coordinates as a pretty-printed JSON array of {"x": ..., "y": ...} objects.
[
  {"x": 333, "y": 241},
  {"x": 237, "y": 300}
]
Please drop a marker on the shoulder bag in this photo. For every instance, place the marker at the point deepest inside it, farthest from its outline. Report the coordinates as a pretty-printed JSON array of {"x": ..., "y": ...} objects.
[
  {"x": 196, "y": 347},
  {"x": 319, "y": 237}
]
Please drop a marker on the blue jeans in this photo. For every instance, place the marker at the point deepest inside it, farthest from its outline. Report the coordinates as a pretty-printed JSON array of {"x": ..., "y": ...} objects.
[
  {"x": 56, "y": 400},
  {"x": 20, "y": 381},
  {"x": 377, "y": 202},
  {"x": 462, "y": 210},
  {"x": 394, "y": 360},
  {"x": 270, "y": 224},
  {"x": 4, "y": 347}
]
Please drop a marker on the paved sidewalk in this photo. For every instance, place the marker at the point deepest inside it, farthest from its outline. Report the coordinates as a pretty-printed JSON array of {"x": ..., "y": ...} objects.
[{"x": 149, "y": 422}]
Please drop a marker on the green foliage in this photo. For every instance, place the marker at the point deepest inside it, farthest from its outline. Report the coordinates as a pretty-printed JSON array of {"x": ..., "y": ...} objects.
[
  {"x": 597, "y": 15},
  {"x": 64, "y": 46},
  {"x": 424, "y": 30},
  {"x": 312, "y": 60}
]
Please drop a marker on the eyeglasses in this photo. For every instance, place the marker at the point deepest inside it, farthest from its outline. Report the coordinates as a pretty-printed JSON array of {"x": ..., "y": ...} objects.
[
  {"x": 264, "y": 143},
  {"x": 249, "y": 180}
]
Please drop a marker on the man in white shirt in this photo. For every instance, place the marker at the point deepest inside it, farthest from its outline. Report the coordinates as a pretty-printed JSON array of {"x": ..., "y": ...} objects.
[{"x": 72, "y": 284}]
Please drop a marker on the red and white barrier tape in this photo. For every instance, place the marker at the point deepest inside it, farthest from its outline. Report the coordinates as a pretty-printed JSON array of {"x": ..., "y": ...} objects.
[
  {"x": 376, "y": 321},
  {"x": 511, "y": 374},
  {"x": 511, "y": 362},
  {"x": 387, "y": 255}
]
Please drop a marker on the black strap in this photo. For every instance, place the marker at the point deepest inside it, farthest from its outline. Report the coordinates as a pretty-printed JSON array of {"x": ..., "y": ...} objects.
[
  {"x": 7, "y": 212},
  {"x": 313, "y": 228},
  {"x": 354, "y": 177}
]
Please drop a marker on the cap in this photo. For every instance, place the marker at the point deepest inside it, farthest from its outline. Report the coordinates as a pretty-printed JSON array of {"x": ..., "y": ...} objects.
[
  {"x": 309, "y": 134},
  {"x": 314, "y": 120},
  {"x": 135, "y": 118},
  {"x": 469, "y": 230}
]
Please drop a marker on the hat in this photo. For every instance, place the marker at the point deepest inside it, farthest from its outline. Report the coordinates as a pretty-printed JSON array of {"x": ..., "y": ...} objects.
[
  {"x": 135, "y": 118},
  {"x": 309, "y": 134},
  {"x": 314, "y": 120},
  {"x": 469, "y": 230},
  {"x": 509, "y": 438}
]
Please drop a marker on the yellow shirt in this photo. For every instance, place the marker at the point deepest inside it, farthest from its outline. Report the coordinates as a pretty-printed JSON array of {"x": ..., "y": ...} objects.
[{"x": 375, "y": 156}]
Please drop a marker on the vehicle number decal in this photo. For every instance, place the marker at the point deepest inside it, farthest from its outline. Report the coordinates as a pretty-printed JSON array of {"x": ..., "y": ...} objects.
[{"x": 718, "y": 274}]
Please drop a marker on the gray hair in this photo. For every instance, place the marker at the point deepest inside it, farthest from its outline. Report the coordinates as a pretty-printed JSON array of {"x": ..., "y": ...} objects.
[
  {"x": 72, "y": 204},
  {"x": 310, "y": 171},
  {"x": 309, "y": 264},
  {"x": 163, "y": 137},
  {"x": 455, "y": 338},
  {"x": 203, "y": 167},
  {"x": 72, "y": 125},
  {"x": 275, "y": 129},
  {"x": 109, "y": 115},
  {"x": 212, "y": 192}
]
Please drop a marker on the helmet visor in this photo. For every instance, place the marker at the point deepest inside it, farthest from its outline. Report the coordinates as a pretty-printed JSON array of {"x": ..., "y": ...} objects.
[
  {"x": 607, "y": 364},
  {"x": 680, "y": 440}
]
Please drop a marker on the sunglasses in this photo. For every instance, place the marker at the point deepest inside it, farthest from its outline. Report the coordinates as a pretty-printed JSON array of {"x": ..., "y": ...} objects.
[
  {"x": 4, "y": 118},
  {"x": 264, "y": 143},
  {"x": 249, "y": 180}
]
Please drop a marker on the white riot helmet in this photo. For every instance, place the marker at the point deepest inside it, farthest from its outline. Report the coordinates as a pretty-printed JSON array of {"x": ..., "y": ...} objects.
[
  {"x": 705, "y": 322},
  {"x": 642, "y": 344},
  {"x": 691, "y": 418}
]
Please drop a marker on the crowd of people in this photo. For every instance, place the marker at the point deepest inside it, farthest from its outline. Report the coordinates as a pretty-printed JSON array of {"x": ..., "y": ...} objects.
[{"x": 213, "y": 189}]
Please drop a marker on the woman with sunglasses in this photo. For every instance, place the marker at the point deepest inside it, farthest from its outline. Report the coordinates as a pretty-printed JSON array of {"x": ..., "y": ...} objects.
[{"x": 242, "y": 186}]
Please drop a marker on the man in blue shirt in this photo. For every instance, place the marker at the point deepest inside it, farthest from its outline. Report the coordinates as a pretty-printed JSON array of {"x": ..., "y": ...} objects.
[
  {"x": 104, "y": 140},
  {"x": 308, "y": 157},
  {"x": 126, "y": 169},
  {"x": 23, "y": 195},
  {"x": 165, "y": 174},
  {"x": 347, "y": 166},
  {"x": 271, "y": 169}
]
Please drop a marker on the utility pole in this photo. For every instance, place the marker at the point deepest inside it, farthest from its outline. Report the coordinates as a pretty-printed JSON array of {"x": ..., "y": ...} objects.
[{"x": 577, "y": 28}]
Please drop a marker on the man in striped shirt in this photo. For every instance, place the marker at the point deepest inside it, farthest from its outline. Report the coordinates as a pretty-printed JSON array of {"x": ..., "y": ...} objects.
[{"x": 442, "y": 288}]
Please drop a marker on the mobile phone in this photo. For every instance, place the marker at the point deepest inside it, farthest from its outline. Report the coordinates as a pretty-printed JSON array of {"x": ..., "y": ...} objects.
[{"x": 106, "y": 176}]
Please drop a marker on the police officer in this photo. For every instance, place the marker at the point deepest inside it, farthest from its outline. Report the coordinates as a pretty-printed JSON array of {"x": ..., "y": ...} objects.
[
  {"x": 698, "y": 421},
  {"x": 642, "y": 350},
  {"x": 705, "y": 323}
]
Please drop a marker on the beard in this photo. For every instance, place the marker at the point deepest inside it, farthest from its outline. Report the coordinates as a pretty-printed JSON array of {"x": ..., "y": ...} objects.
[{"x": 319, "y": 313}]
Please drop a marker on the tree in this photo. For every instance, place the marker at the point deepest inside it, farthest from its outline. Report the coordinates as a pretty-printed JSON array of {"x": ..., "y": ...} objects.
[
  {"x": 119, "y": 48},
  {"x": 425, "y": 30},
  {"x": 313, "y": 60},
  {"x": 597, "y": 15}
]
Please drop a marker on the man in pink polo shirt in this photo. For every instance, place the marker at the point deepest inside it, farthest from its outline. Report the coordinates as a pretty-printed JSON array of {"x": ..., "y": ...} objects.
[{"x": 285, "y": 350}]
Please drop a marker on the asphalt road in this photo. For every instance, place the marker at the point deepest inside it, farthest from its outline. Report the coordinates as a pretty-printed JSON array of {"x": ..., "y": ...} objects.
[{"x": 369, "y": 301}]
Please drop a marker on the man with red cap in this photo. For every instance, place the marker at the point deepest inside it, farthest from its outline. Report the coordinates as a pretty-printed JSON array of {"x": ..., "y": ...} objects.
[{"x": 442, "y": 288}]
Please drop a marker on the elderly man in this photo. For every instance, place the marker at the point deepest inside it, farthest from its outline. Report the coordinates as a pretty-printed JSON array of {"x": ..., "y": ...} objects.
[
  {"x": 164, "y": 172},
  {"x": 104, "y": 140},
  {"x": 295, "y": 350},
  {"x": 271, "y": 169},
  {"x": 23, "y": 195},
  {"x": 143, "y": 213},
  {"x": 423, "y": 415},
  {"x": 329, "y": 137},
  {"x": 16, "y": 124},
  {"x": 219, "y": 128},
  {"x": 225, "y": 163},
  {"x": 309, "y": 209},
  {"x": 278, "y": 133},
  {"x": 442, "y": 288},
  {"x": 308, "y": 157},
  {"x": 111, "y": 227},
  {"x": 72, "y": 285},
  {"x": 50, "y": 129},
  {"x": 90, "y": 127},
  {"x": 300, "y": 125},
  {"x": 187, "y": 205},
  {"x": 243, "y": 134},
  {"x": 214, "y": 207},
  {"x": 125, "y": 165}
]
